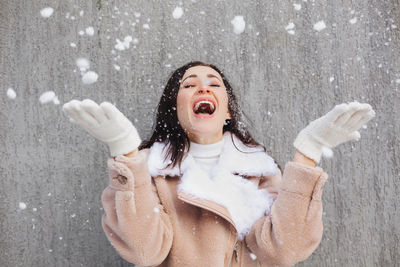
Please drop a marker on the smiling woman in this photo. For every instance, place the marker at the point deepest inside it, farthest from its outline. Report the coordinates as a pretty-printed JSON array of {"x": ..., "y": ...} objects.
[
  {"x": 202, "y": 104},
  {"x": 201, "y": 191},
  {"x": 190, "y": 86}
]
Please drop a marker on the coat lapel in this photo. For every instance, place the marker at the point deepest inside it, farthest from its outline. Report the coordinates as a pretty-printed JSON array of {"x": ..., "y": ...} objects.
[
  {"x": 208, "y": 205},
  {"x": 225, "y": 191}
]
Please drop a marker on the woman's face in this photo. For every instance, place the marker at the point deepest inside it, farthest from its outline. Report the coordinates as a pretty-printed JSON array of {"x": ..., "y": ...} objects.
[{"x": 202, "y": 104}]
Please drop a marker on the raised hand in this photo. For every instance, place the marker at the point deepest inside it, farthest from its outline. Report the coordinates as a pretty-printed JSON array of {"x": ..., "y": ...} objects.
[
  {"x": 339, "y": 125},
  {"x": 106, "y": 123}
]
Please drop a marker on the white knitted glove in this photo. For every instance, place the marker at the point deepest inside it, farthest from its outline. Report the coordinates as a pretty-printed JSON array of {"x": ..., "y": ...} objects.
[
  {"x": 338, "y": 126},
  {"x": 106, "y": 123}
]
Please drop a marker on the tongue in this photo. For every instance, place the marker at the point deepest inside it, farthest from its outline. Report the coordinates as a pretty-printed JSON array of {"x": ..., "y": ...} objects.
[{"x": 204, "y": 108}]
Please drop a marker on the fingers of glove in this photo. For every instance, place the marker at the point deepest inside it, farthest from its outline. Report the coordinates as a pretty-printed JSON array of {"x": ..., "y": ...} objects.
[
  {"x": 353, "y": 108},
  {"x": 94, "y": 110},
  {"x": 336, "y": 112},
  {"x": 73, "y": 109},
  {"x": 69, "y": 109},
  {"x": 81, "y": 116},
  {"x": 362, "y": 120},
  {"x": 111, "y": 111},
  {"x": 360, "y": 110},
  {"x": 67, "y": 106}
]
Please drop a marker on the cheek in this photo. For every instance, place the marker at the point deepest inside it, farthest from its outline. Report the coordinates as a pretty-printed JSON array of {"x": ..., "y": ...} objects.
[
  {"x": 224, "y": 101},
  {"x": 181, "y": 100}
]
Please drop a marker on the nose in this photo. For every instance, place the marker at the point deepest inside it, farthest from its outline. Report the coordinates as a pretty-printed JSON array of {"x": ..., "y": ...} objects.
[{"x": 203, "y": 90}]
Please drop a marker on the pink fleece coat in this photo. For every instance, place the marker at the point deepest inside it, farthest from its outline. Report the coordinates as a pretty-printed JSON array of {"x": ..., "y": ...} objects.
[{"x": 150, "y": 224}]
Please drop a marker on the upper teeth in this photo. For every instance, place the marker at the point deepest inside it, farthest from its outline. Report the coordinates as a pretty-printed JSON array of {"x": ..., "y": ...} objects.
[{"x": 204, "y": 102}]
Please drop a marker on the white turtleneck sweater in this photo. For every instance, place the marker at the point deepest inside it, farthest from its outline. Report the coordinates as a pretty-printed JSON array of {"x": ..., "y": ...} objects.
[{"x": 206, "y": 156}]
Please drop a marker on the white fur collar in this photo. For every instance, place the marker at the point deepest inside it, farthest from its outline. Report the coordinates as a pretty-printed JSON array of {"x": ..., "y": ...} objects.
[{"x": 225, "y": 186}]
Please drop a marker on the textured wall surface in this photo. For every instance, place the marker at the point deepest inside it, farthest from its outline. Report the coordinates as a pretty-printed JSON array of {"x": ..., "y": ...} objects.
[{"x": 285, "y": 75}]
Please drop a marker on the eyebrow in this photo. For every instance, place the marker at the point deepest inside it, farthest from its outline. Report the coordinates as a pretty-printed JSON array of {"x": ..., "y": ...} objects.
[{"x": 208, "y": 75}]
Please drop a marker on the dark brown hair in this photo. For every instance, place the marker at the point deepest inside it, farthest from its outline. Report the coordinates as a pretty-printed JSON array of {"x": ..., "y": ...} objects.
[{"x": 168, "y": 130}]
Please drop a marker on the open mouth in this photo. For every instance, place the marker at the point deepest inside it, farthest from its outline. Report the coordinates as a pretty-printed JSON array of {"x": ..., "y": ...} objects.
[{"x": 204, "y": 107}]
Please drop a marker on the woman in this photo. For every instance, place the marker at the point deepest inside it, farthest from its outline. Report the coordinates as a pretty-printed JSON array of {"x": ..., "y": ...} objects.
[{"x": 201, "y": 191}]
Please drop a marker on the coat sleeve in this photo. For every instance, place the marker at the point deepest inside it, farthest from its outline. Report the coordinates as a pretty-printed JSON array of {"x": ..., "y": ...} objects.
[
  {"x": 134, "y": 220},
  {"x": 294, "y": 228}
]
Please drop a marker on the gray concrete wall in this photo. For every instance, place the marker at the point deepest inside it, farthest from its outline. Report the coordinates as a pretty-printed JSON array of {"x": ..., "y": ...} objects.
[{"x": 283, "y": 82}]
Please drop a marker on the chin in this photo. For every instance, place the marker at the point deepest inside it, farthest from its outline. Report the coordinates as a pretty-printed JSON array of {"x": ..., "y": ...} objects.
[
  {"x": 206, "y": 127},
  {"x": 202, "y": 124}
]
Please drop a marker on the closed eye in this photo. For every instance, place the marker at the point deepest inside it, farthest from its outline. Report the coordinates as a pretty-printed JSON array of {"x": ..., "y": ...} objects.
[
  {"x": 187, "y": 86},
  {"x": 215, "y": 85}
]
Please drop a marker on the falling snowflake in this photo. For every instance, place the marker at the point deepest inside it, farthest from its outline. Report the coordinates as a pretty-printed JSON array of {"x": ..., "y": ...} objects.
[
  {"x": 11, "y": 93},
  {"x": 238, "y": 24},
  {"x": 319, "y": 26},
  {"x": 177, "y": 13},
  {"x": 46, "y": 12}
]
